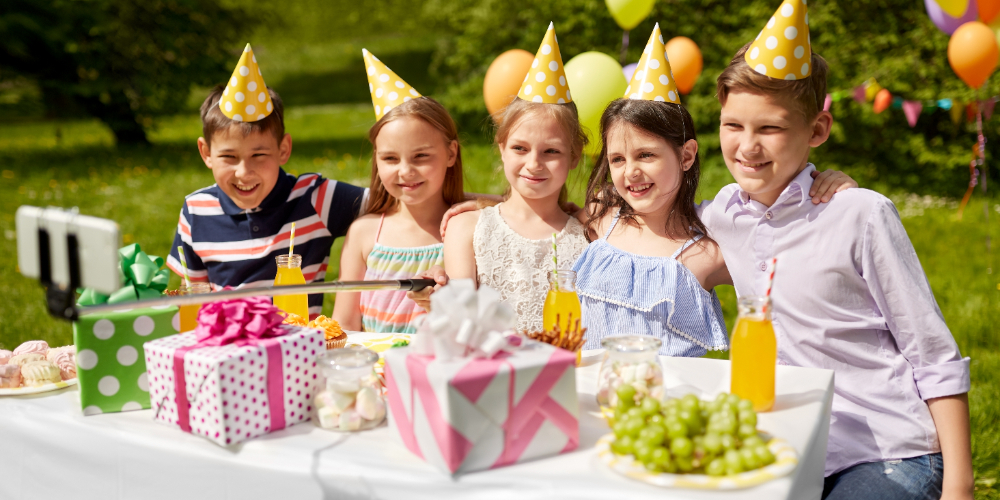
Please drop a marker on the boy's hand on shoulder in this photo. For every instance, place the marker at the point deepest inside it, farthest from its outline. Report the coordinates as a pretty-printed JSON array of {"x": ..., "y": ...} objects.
[{"x": 827, "y": 183}]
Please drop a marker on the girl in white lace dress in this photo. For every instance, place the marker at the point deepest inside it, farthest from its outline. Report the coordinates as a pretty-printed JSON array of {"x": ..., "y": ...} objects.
[{"x": 509, "y": 246}]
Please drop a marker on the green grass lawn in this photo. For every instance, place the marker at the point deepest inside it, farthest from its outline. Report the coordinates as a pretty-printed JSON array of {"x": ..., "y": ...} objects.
[{"x": 74, "y": 163}]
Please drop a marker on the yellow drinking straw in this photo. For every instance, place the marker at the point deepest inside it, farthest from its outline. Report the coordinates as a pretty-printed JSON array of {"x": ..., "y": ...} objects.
[
  {"x": 291, "y": 242},
  {"x": 180, "y": 253},
  {"x": 555, "y": 260}
]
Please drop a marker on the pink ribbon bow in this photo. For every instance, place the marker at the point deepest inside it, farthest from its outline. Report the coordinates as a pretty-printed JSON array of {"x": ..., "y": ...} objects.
[
  {"x": 237, "y": 321},
  {"x": 251, "y": 321}
]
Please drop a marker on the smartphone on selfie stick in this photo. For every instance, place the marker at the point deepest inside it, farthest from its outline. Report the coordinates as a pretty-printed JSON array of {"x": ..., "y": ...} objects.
[{"x": 65, "y": 251}]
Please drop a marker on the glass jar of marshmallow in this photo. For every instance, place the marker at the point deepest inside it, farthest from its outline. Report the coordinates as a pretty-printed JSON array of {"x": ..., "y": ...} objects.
[
  {"x": 351, "y": 399},
  {"x": 629, "y": 360}
]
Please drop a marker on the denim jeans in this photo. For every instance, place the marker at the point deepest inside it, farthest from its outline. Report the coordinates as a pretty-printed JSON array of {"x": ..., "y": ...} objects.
[{"x": 914, "y": 478}]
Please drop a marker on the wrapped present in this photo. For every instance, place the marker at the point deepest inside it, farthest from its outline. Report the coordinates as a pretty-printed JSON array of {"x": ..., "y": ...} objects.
[
  {"x": 464, "y": 396},
  {"x": 111, "y": 370},
  {"x": 239, "y": 375}
]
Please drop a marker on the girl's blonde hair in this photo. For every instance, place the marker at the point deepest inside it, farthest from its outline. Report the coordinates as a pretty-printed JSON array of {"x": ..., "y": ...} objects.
[
  {"x": 566, "y": 114},
  {"x": 432, "y": 112}
]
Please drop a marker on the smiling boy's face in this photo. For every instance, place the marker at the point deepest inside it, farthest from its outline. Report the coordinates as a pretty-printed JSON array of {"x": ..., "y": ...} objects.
[
  {"x": 246, "y": 168},
  {"x": 766, "y": 142}
]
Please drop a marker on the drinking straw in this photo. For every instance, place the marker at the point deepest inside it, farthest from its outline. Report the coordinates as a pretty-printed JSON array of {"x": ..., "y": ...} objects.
[
  {"x": 555, "y": 260},
  {"x": 770, "y": 280},
  {"x": 187, "y": 280},
  {"x": 291, "y": 242}
]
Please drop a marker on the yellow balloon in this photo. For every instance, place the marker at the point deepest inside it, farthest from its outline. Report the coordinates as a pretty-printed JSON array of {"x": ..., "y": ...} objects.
[
  {"x": 954, "y": 8},
  {"x": 595, "y": 79},
  {"x": 629, "y": 13}
]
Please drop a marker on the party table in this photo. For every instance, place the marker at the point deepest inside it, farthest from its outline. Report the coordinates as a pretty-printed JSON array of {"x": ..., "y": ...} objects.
[{"x": 49, "y": 449}]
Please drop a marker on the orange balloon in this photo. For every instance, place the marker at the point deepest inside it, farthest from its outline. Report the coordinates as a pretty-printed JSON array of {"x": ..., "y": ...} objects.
[
  {"x": 685, "y": 62},
  {"x": 988, "y": 10},
  {"x": 504, "y": 78},
  {"x": 973, "y": 53},
  {"x": 882, "y": 101}
]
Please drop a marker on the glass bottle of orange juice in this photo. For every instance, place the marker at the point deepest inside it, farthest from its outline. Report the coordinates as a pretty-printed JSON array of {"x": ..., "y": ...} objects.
[
  {"x": 753, "y": 353},
  {"x": 290, "y": 273},
  {"x": 189, "y": 313},
  {"x": 561, "y": 300}
]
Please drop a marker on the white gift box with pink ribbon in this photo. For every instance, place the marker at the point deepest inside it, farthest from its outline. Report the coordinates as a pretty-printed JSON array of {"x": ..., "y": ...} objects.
[
  {"x": 234, "y": 386},
  {"x": 487, "y": 407}
]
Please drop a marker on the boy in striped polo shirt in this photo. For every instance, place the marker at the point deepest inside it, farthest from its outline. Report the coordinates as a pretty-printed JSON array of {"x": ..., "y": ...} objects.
[{"x": 232, "y": 231}]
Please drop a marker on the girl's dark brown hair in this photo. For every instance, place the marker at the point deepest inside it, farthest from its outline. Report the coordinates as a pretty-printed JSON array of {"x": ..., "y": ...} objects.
[
  {"x": 432, "y": 112},
  {"x": 566, "y": 114},
  {"x": 673, "y": 123}
]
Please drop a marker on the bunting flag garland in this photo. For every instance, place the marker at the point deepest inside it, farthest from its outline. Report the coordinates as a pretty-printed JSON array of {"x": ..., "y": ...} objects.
[{"x": 866, "y": 92}]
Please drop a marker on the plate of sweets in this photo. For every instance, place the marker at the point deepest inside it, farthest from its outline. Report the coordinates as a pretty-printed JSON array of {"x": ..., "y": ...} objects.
[
  {"x": 333, "y": 333},
  {"x": 33, "y": 367},
  {"x": 690, "y": 443}
]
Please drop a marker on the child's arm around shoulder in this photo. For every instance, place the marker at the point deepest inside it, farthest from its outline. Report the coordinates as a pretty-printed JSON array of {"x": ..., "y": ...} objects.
[
  {"x": 358, "y": 243},
  {"x": 459, "y": 254},
  {"x": 704, "y": 260}
]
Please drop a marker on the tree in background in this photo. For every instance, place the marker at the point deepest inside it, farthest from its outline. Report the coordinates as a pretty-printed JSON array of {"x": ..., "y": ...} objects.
[
  {"x": 117, "y": 60},
  {"x": 891, "y": 40}
]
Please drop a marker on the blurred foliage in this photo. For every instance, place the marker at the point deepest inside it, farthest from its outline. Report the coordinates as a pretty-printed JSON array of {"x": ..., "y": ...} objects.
[
  {"x": 117, "y": 60},
  {"x": 891, "y": 40}
]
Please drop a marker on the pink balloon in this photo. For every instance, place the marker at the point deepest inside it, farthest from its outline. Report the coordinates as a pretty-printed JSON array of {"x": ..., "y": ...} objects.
[{"x": 949, "y": 24}]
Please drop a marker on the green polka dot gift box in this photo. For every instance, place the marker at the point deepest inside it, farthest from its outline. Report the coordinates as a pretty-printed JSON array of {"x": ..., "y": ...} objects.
[{"x": 111, "y": 369}]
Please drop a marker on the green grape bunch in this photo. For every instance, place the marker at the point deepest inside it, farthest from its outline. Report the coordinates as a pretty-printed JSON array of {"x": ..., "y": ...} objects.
[{"x": 687, "y": 435}]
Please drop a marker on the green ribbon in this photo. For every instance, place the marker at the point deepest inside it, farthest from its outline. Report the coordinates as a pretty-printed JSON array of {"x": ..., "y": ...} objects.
[{"x": 144, "y": 279}]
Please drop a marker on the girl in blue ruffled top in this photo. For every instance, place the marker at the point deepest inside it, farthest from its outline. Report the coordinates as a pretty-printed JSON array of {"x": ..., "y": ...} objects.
[{"x": 652, "y": 271}]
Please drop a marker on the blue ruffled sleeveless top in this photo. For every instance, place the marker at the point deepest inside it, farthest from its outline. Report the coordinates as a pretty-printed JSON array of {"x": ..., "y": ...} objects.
[{"x": 622, "y": 293}]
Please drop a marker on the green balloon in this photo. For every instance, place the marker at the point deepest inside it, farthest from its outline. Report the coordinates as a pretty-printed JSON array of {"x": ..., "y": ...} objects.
[
  {"x": 629, "y": 13},
  {"x": 595, "y": 79}
]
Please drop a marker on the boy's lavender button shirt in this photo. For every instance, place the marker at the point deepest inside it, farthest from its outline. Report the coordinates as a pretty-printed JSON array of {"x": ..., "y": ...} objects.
[{"x": 849, "y": 295}]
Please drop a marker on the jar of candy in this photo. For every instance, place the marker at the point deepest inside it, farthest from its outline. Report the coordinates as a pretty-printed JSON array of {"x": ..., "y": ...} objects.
[
  {"x": 631, "y": 368},
  {"x": 351, "y": 399}
]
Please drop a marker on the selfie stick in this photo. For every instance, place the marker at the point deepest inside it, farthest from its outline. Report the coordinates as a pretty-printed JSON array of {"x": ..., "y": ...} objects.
[{"x": 309, "y": 288}]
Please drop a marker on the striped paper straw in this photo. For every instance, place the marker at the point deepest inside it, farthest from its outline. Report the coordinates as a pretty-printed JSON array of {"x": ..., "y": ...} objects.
[
  {"x": 770, "y": 281},
  {"x": 184, "y": 265},
  {"x": 555, "y": 260},
  {"x": 291, "y": 242}
]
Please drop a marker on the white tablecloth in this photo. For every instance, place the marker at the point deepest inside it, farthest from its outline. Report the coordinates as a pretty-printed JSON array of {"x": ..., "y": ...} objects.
[{"x": 48, "y": 449}]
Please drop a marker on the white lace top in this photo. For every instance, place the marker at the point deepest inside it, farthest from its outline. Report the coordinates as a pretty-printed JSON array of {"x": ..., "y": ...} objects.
[{"x": 517, "y": 267}]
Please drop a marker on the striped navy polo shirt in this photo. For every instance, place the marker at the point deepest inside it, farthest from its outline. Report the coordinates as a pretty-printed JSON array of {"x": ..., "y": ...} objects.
[{"x": 228, "y": 246}]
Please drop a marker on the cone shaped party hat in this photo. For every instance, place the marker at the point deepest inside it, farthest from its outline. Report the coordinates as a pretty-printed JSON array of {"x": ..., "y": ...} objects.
[
  {"x": 546, "y": 80},
  {"x": 388, "y": 90},
  {"x": 246, "y": 98},
  {"x": 782, "y": 49},
  {"x": 652, "y": 79}
]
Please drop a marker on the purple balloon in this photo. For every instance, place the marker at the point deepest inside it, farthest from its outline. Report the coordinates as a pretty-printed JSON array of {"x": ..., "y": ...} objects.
[
  {"x": 628, "y": 70},
  {"x": 949, "y": 24}
]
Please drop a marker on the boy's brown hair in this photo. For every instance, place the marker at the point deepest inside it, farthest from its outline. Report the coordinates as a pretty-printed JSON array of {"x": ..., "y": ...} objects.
[
  {"x": 432, "y": 112},
  {"x": 808, "y": 94},
  {"x": 213, "y": 120}
]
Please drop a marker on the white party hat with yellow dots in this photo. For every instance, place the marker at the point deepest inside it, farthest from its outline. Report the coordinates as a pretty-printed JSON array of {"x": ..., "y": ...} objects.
[
  {"x": 387, "y": 89},
  {"x": 546, "y": 80},
  {"x": 782, "y": 49},
  {"x": 246, "y": 98},
  {"x": 653, "y": 80}
]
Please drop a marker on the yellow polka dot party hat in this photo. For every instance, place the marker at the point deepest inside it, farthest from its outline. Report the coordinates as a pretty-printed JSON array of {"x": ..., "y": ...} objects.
[
  {"x": 388, "y": 90},
  {"x": 653, "y": 80},
  {"x": 246, "y": 98},
  {"x": 546, "y": 80},
  {"x": 782, "y": 48}
]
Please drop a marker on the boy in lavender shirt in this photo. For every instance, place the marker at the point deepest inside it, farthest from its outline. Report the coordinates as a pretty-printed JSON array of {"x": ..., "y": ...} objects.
[{"x": 849, "y": 295}]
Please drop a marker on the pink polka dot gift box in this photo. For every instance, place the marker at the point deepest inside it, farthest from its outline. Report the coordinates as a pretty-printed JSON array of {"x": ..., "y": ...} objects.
[{"x": 243, "y": 387}]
